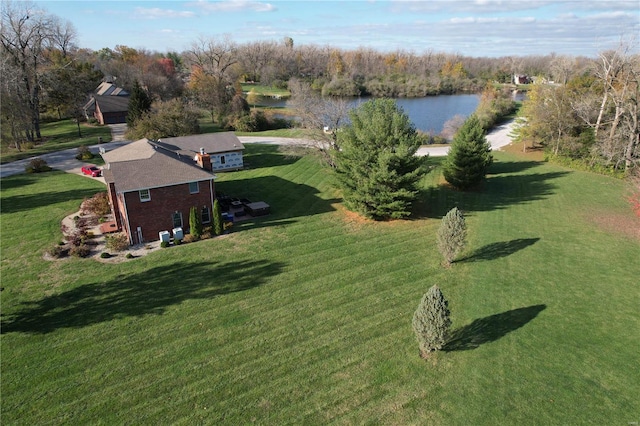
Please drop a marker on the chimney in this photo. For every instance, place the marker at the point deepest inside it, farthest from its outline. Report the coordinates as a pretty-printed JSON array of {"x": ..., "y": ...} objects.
[{"x": 204, "y": 160}]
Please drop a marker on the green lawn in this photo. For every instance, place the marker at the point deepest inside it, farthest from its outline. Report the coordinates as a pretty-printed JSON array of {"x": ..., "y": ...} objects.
[
  {"x": 58, "y": 135},
  {"x": 304, "y": 317}
]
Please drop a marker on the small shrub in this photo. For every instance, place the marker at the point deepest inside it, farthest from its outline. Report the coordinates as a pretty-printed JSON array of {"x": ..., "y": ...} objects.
[
  {"x": 117, "y": 242},
  {"x": 37, "y": 165},
  {"x": 189, "y": 238},
  {"x": 84, "y": 153},
  {"x": 431, "y": 321},
  {"x": 76, "y": 239},
  {"x": 80, "y": 251},
  {"x": 164, "y": 244},
  {"x": 228, "y": 225},
  {"x": 451, "y": 236},
  {"x": 58, "y": 251},
  {"x": 97, "y": 205},
  {"x": 206, "y": 235},
  {"x": 105, "y": 255},
  {"x": 129, "y": 256},
  {"x": 177, "y": 241}
]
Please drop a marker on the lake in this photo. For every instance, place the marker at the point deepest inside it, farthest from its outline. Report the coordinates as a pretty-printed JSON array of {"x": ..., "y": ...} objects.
[{"x": 428, "y": 114}]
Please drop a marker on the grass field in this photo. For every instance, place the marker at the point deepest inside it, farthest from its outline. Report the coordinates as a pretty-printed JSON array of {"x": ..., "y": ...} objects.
[
  {"x": 59, "y": 135},
  {"x": 304, "y": 317}
]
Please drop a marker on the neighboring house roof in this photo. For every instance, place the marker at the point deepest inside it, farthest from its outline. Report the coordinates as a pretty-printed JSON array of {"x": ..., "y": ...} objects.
[
  {"x": 110, "y": 89},
  {"x": 140, "y": 165},
  {"x": 112, "y": 103},
  {"x": 213, "y": 143}
]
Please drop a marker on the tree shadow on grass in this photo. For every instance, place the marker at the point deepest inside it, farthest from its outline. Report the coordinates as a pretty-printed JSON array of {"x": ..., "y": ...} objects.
[
  {"x": 496, "y": 192},
  {"x": 507, "y": 167},
  {"x": 491, "y": 328},
  {"x": 19, "y": 203},
  {"x": 500, "y": 249},
  {"x": 149, "y": 292}
]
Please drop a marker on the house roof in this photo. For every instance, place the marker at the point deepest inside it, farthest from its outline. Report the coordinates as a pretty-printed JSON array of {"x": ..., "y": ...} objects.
[
  {"x": 112, "y": 103},
  {"x": 213, "y": 143},
  {"x": 110, "y": 89},
  {"x": 140, "y": 165}
]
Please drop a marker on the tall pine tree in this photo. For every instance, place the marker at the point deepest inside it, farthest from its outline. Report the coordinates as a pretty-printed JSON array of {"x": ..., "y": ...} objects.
[
  {"x": 376, "y": 166},
  {"x": 469, "y": 156},
  {"x": 139, "y": 104}
]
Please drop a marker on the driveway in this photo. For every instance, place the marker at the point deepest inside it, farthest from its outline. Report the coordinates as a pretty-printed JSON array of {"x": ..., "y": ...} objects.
[
  {"x": 60, "y": 160},
  {"x": 498, "y": 138},
  {"x": 66, "y": 161}
]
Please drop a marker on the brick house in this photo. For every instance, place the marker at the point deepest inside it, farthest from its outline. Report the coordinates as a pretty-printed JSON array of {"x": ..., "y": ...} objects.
[{"x": 153, "y": 185}]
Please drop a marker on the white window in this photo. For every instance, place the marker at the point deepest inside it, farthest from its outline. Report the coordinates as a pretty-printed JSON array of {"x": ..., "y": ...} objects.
[
  {"x": 194, "y": 188},
  {"x": 206, "y": 216},
  {"x": 145, "y": 195}
]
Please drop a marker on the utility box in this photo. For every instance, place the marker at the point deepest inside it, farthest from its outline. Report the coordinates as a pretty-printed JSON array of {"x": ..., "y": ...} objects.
[
  {"x": 165, "y": 237},
  {"x": 178, "y": 234}
]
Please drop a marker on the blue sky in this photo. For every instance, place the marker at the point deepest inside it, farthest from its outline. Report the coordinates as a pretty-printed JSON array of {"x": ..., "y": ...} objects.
[{"x": 470, "y": 27}]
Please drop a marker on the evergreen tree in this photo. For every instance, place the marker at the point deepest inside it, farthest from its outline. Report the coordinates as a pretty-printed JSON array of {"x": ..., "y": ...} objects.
[
  {"x": 139, "y": 104},
  {"x": 376, "y": 166},
  {"x": 195, "y": 223},
  {"x": 469, "y": 155},
  {"x": 431, "y": 321},
  {"x": 217, "y": 218},
  {"x": 452, "y": 234}
]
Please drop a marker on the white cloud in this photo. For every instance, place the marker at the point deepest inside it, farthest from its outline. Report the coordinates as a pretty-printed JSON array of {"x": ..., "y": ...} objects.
[
  {"x": 233, "y": 6},
  {"x": 157, "y": 13}
]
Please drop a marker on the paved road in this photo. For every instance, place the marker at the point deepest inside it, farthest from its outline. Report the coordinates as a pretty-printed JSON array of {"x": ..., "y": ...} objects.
[
  {"x": 498, "y": 138},
  {"x": 65, "y": 160}
]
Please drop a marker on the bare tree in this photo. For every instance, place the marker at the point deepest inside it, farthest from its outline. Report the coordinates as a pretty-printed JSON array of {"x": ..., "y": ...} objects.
[
  {"x": 324, "y": 116},
  {"x": 619, "y": 74},
  {"x": 212, "y": 78},
  {"x": 26, "y": 33}
]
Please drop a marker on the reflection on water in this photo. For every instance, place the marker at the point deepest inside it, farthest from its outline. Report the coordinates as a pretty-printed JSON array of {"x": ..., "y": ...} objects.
[{"x": 428, "y": 114}]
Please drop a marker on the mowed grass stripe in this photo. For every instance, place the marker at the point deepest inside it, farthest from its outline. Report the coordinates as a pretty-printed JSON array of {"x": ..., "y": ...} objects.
[{"x": 327, "y": 338}]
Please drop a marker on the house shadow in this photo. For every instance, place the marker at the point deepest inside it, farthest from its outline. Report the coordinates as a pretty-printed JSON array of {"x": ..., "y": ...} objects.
[
  {"x": 499, "y": 249},
  {"x": 147, "y": 293},
  {"x": 491, "y": 328},
  {"x": 287, "y": 200}
]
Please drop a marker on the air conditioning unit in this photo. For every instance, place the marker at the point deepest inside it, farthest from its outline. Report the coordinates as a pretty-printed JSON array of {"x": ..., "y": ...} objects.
[
  {"x": 178, "y": 234},
  {"x": 164, "y": 236}
]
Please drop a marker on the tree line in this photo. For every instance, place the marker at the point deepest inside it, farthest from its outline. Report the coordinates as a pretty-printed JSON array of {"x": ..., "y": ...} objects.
[{"x": 586, "y": 111}]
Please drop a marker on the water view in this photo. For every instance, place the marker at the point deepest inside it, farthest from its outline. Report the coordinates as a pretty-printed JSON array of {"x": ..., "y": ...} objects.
[{"x": 428, "y": 114}]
